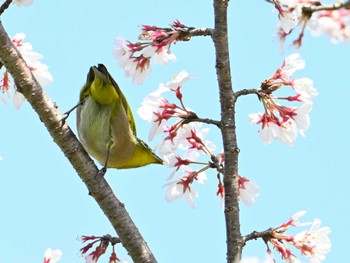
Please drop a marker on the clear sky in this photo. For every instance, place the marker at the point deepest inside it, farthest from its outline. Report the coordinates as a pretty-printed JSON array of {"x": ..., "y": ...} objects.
[{"x": 45, "y": 204}]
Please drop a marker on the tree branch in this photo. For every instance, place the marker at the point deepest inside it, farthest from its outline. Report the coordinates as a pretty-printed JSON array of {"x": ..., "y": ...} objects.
[
  {"x": 265, "y": 235},
  {"x": 195, "y": 118},
  {"x": 186, "y": 34},
  {"x": 228, "y": 130},
  {"x": 316, "y": 8},
  {"x": 208, "y": 121},
  {"x": 200, "y": 32},
  {"x": 73, "y": 150},
  {"x": 4, "y": 6},
  {"x": 246, "y": 92}
]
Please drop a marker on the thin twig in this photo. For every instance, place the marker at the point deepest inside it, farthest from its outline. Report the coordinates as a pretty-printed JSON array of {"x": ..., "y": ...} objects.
[
  {"x": 246, "y": 92},
  {"x": 4, "y": 6},
  {"x": 316, "y": 8},
  {"x": 186, "y": 34},
  {"x": 265, "y": 235},
  {"x": 207, "y": 121}
]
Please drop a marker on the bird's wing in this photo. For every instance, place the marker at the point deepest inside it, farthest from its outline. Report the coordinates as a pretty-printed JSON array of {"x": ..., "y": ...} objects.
[
  {"x": 125, "y": 104},
  {"x": 86, "y": 88}
]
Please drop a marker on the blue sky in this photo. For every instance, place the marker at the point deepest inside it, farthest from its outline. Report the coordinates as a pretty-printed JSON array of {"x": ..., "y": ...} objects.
[{"x": 45, "y": 204}]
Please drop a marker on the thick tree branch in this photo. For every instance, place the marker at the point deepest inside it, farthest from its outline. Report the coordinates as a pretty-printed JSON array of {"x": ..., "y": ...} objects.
[
  {"x": 73, "y": 150},
  {"x": 228, "y": 129}
]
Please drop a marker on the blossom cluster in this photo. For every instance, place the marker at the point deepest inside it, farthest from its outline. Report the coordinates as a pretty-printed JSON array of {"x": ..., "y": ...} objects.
[
  {"x": 279, "y": 121},
  {"x": 155, "y": 42},
  {"x": 313, "y": 243},
  {"x": 100, "y": 249},
  {"x": 39, "y": 70},
  {"x": 185, "y": 135},
  {"x": 333, "y": 23}
]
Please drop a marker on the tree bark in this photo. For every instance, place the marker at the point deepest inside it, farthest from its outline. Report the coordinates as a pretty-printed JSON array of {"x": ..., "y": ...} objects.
[
  {"x": 228, "y": 130},
  {"x": 98, "y": 188}
]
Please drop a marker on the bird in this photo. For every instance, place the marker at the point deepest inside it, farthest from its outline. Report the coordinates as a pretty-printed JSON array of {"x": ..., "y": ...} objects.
[{"x": 106, "y": 126}]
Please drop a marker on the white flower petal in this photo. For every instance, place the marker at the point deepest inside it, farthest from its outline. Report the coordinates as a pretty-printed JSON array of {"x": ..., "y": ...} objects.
[
  {"x": 18, "y": 99},
  {"x": 53, "y": 255},
  {"x": 288, "y": 21}
]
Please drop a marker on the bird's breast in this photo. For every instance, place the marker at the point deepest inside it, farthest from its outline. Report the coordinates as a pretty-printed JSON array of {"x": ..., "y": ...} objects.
[{"x": 102, "y": 125}]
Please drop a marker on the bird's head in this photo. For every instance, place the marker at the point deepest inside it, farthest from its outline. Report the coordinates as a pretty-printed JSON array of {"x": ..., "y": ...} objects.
[{"x": 102, "y": 89}]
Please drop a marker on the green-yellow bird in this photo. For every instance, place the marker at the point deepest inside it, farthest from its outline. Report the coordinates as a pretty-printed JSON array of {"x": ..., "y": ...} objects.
[{"x": 106, "y": 126}]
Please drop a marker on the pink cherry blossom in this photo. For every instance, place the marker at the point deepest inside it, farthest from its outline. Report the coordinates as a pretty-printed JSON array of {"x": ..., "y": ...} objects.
[
  {"x": 155, "y": 43},
  {"x": 334, "y": 23},
  {"x": 221, "y": 194},
  {"x": 313, "y": 243},
  {"x": 158, "y": 110},
  {"x": 288, "y": 21},
  {"x": 182, "y": 188},
  {"x": 39, "y": 70},
  {"x": 305, "y": 87},
  {"x": 290, "y": 65},
  {"x": 89, "y": 258},
  {"x": 18, "y": 99},
  {"x": 32, "y": 58},
  {"x": 52, "y": 256},
  {"x": 162, "y": 56},
  {"x": 248, "y": 190},
  {"x": 178, "y": 80},
  {"x": 280, "y": 122}
]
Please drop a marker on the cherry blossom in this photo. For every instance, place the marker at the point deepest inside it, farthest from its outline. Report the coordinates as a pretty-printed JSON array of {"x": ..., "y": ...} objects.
[
  {"x": 288, "y": 18},
  {"x": 288, "y": 21},
  {"x": 182, "y": 188},
  {"x": 305, "y": 88},
  {"x": 333, "y": 23},
  {"x": 183, "y": 143},
  {"x": 221, "y": 194},
  {"x": 103, "y": 243},
  {"x": 39, "y": 70},
  {"x": 248, "y": 190},
  {"x": 313, "y": 243},
  {"x": 52, "y": 256},
  {"x": 280, "y": 122},
  {"x": 32, "y": 58},
  {"x": 155, "y": 43},
  {"x": 158, "y": 110}
]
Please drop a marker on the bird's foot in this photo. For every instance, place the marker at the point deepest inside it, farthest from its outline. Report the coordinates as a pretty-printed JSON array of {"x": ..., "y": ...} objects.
[{"x": 101, "y": 173}]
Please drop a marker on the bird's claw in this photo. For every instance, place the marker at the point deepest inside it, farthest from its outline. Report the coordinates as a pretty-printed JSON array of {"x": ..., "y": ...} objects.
[{"x": 101, "y": 172}]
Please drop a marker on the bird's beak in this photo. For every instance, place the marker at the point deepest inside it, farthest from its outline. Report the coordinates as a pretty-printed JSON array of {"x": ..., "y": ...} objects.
[{"x": 99, "y": 74}]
